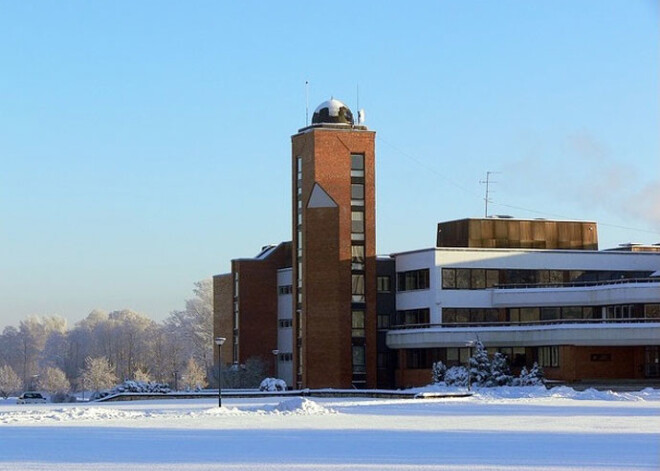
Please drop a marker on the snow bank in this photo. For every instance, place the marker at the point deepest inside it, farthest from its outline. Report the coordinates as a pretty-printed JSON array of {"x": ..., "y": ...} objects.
[
  {"x": 299, "y": 406},
  {"x": 67, "y": 414}
]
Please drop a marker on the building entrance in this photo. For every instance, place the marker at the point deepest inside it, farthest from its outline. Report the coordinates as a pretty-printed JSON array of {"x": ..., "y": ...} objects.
[{"x": 652, "y": 362}]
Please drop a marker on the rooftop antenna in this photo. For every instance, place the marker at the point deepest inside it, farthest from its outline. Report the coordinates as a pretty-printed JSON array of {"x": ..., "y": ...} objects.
[
  {"x": 306, "y": 103},
  {"x": 487, "y": 181},
  {"x": 360, "y": 112}
]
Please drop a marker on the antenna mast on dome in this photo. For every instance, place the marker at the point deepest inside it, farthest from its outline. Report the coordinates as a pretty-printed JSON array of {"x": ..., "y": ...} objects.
[{"x": 306, "y": 102}]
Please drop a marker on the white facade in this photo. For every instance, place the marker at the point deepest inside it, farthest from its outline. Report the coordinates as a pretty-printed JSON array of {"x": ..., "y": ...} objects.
[{"x": 604, "y": 293}]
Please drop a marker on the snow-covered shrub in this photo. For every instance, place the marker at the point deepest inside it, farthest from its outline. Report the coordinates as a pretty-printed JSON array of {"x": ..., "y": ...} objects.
[
  {"x": 480, "y": 365},
  {"x": 456, "y": 376},
  {"x": 438, "y": 372},
  {"x": 500, "y": 374},
  {"x": 130, "y": 386},
  {"x": 272, "y": 384},
  {"x": 141, "y": 387}
]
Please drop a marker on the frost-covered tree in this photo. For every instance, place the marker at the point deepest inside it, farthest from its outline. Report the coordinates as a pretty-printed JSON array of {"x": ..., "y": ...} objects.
[
  {"x": 480, "y": 365},
  {"x": 142, "y": 375},
  {"x": 98, "y": 374},
  {"x": 10, "y": 382},
  {"x": 522, "y": 378},
  {"x": 33, "y": 334},
  {"x": 456, "y": 376},
  {"x": 53, "y": 380},
  {"x": 438, "y": 372},
  {"x": 194, "y": 377},
  {"x": 535, "y": 376},
  {"x": 194, "y": 326},
  {"x": 500, "y": 373}
]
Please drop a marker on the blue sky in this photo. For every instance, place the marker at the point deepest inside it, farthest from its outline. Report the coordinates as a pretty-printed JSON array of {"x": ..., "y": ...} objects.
[{"x": 145, "y": 144}]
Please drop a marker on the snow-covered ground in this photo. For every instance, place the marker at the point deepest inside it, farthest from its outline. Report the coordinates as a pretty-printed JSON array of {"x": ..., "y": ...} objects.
[{"x": 497, "y": 429}]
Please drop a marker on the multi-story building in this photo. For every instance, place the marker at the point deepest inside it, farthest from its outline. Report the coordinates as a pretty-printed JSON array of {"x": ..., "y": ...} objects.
[
  {"x": 323, "y": 311},
  {"x": 535, "y": 290}
]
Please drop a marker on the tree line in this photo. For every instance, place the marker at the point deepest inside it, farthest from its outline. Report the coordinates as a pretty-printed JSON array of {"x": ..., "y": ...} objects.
[{"x": 43, "y": 353}]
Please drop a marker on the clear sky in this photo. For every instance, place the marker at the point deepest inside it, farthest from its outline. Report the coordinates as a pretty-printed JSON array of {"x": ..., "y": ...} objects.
[{"x": 145, "y": 144}]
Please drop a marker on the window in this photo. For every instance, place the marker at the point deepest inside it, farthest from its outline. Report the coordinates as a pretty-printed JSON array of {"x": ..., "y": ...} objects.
[
  {"x": 285, "y": 289},
  {"x": 549, "y": 313},
  {"x": 413, "y": 317},
  {"x": 357, "y": 165},
  {"x": 285, "y": 357},
  {"x": 357, "y": 257},
  {"x": 357, "y": 221},
  {"x": 416, "y": 358},
  {"x": 477, "y": 279},
  {"x": 548, "y": 357},
  {"x": 492, "y": 278},
  {"x": 462, "y": 278},
  {"x": 412, "y": 280},
  {"x": 383, "y": 284},
  {"x": 357, "y": 323},
  {"x": 652, "y": 311},
  {"x": 529, "y": 314},
  {"x": 357, "y": 194},
  {"x": 357, "y": 288},
  {"x": 448, "y": 278},
  {"x": 383, "y": 321},
  {"x": 571, "y": 312},
  {"x": 359, "y": 365}
]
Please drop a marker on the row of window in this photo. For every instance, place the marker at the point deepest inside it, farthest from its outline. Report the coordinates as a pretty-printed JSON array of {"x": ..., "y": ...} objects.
[
  {"x": 358, "y": 296},
  {"x": 413, "y": 280},
  {"x": 423, "y": 358},
  {"x": 412, "y": 317},
  {"x": 482, "y": 278},
  {"x": 521, "y": 315}
]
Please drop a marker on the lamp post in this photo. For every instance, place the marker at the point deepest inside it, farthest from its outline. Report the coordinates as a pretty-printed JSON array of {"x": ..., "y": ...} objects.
[
  {"x": 277, "y": 365},
  {"x": 219, "y": 341},
  {"x": 469, "y": 344}
]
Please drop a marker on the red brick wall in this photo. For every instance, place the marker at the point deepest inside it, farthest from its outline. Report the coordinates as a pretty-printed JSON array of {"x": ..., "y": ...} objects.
[
  {"x": 327, "y": 235},
  {"x": 222, "y": 315}
]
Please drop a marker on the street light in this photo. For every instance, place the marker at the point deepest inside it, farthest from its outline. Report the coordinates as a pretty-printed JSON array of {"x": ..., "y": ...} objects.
[
  {"x": 219, "y": 341},
  {"x": 277, "y": 364},
  {"x": 469, "y": 344}
]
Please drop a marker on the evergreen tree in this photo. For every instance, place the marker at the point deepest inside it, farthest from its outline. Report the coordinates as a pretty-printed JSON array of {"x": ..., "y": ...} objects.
[
  {"x": 456, "y": 376},
  {"x": 438, "y": 372},
  {"x": 523, "y": 378},
  {"x": 499, "y": 371},
  {"x": 480, "y": 365},
  {"x": 535, "y": 376}
]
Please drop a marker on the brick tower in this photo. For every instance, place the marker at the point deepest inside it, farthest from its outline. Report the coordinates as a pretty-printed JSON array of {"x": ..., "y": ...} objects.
[{"x": 334, "y": 247}]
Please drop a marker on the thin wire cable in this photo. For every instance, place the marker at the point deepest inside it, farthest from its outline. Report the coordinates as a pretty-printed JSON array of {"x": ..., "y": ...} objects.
[{"x": 520, "y": 208}]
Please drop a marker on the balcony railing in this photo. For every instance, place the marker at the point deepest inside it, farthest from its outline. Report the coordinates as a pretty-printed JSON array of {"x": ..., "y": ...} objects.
[
  {"x": 578, "y": 284},
  {"x": 635, "y": 320}
]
